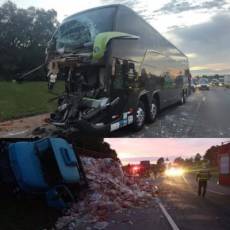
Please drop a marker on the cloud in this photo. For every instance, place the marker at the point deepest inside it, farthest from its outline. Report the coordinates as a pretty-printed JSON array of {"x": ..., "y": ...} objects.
[
  {"x": 178, "y": 6},
  {"x": 209, "y": 41}
]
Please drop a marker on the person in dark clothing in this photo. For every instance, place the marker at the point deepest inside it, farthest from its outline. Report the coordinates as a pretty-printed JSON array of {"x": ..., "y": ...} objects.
[{"x": 202, "y": 178}]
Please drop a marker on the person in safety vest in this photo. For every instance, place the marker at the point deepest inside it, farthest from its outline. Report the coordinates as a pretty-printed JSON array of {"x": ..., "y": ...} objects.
[{"x": 202, "y": 178}]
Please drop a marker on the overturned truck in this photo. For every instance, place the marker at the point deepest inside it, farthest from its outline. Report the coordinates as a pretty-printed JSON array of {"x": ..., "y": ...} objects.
[
  {"x": 118, "y": 71},
  {"x": 46, "y": 168}
]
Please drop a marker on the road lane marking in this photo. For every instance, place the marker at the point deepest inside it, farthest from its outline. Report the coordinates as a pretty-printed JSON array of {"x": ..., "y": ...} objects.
[
  {"x": 167, "y": 216},
  {"x": 219, "y": 193}
]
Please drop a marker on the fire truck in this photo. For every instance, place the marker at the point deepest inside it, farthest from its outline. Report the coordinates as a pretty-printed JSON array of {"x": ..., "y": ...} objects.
[{"x": 223, "y": 157}]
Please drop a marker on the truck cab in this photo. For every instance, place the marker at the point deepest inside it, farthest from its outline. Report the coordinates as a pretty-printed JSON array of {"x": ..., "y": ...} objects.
[{"x": 48, "y": 167}]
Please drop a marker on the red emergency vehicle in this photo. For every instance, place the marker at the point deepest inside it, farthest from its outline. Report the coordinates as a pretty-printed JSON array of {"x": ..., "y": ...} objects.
[{"x": 223, "y": 157}]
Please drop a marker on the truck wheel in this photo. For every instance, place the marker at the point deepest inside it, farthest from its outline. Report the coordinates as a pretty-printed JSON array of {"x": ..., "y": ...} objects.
[
  {"x": 183, "y": 98},
  {"x": 139, "y": 117},
  {"x": 153, "y": 111}
]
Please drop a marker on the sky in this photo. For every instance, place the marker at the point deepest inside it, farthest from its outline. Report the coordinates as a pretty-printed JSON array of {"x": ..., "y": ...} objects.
[
  {"x": 132, "y": 150},
  {"x": 200, "y": 28}
]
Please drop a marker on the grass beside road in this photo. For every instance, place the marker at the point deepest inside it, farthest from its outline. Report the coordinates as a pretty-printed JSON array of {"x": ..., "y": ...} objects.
[{"x": 28, "y": 98}]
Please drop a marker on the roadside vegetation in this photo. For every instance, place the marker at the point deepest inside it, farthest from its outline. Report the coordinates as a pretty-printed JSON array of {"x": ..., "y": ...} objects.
[
  {"x": 26, "y": 99},
  {"x": 24, "y": 34},
  {"x": 194, "y": 164}
]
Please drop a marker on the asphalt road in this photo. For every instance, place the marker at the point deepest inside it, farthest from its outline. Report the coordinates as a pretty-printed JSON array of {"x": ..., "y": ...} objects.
[
  {"x": 191, "y": 212},
  {"x": 205, "y": 114},
  {"x": 187, "y": 211},
  {"x": 177, "y": 196}
]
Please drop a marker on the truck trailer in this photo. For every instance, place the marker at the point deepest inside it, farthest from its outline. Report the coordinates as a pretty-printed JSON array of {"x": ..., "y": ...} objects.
[{"x": 118, "y": 71}]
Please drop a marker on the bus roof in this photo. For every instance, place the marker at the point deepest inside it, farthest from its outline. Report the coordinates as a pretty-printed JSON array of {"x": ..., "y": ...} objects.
[
  {"x": 91, "y": 9},
  {"x": 128, "y": 9}
]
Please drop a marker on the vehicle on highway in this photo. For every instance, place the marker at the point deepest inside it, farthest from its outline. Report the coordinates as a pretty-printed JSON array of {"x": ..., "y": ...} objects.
[
  {"x": 221, "y": 81},
  {"x": 227, "y": 80},
  {"x": 215, "y": 82},
  {"x": 174, "y": 171},
  {"x": 145, "y": 168},
  {"x": 118, "y": 71},
  {"x": 203, "y": 84},
  {"x": 48, "y": 168},
  {"x": 194, "y": 84}
]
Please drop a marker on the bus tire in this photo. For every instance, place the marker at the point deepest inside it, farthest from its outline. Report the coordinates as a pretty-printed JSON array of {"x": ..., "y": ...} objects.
[
  {"x": 139, "y": 117},
  {"x": 183, "y": 98},
  {"x": 153, "y": 111}
]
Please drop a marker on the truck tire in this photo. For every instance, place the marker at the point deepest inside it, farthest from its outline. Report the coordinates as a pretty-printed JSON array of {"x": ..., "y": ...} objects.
[
  {"x": 153, "y": 111},
  {"x": 139, "y": 117}
]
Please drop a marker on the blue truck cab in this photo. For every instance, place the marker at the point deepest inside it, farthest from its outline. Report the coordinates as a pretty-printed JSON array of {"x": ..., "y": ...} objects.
[{"x": 47, "y": 166}]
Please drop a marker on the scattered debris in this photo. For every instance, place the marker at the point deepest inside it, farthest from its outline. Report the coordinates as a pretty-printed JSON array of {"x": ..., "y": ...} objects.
[
  {"x": 23, "y": 125},
  {"x": 110, "y": 191}
]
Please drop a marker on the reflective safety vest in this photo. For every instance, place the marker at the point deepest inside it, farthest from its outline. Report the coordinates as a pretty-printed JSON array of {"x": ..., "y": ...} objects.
[{"x": 203, "y": 175}]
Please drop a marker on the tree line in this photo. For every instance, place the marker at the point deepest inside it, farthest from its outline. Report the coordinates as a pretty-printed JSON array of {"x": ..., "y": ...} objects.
[
  {"x": 24, "y": 34},
  {"x": 209, "y": 157}
]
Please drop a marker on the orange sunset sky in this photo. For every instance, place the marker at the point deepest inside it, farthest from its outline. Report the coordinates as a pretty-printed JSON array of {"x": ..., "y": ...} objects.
[{"x": 132, "y": 150}]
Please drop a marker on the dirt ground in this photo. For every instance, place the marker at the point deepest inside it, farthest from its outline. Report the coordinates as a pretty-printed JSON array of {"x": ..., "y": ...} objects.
[{"x": 23, "y": 126}]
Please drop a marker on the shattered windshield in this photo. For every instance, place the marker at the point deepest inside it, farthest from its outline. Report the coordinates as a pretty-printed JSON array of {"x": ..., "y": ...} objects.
[{"x": 79, "y": 31}]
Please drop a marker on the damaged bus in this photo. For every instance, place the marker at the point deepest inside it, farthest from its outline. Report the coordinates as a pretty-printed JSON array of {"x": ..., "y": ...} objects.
[{"x": 118, "y": 71}]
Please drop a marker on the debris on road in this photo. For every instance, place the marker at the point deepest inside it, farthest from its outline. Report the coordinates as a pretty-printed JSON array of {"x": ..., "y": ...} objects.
[
  {"x": 110, "y": 191},
  {"x": 22, "y": 125}
]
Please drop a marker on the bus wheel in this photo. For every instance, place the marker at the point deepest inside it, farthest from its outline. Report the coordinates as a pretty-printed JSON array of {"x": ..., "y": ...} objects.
[
  {"x": 139, "y": 119},
  {"x": 183, "y": 98},
  {"x": 152, "y": 115}
]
